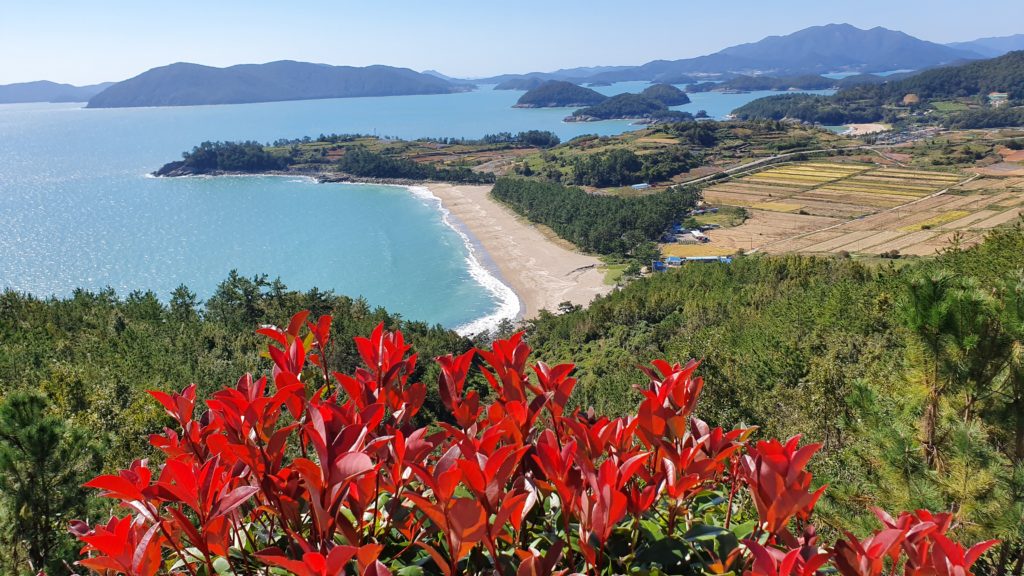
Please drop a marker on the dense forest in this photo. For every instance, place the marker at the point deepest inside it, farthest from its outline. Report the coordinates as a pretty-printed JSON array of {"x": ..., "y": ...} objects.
[
  {"x": 74, "y": 374},
  {"x": 869, "y": 102},
  {"x": 559, "y": 94},
  {"x": 361, "y": 162},
  {"x": 1002, "y": 74},
  {"x": 827, "y": 110},
  {"x": 666, "y": 94},
  {"x": 621, "y": 167},
  {"x": 602, "y": 224},
  {"x": 985, "y": 118},
  {"x": 210, "y": 157},
  {"x": 632, "y": 107}
]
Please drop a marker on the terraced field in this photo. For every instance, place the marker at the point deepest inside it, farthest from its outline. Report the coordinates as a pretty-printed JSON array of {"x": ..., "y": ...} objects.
[{"x": 821, "y": 207}]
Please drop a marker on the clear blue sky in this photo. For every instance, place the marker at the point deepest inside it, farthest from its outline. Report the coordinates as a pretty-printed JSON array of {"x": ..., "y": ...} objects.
[{"x": 81, "y": 41}]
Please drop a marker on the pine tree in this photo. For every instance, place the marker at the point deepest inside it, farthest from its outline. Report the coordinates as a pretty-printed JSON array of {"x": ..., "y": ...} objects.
[
  {"x": 43, "y": 463},
  {"x": 928, "y": 316}
]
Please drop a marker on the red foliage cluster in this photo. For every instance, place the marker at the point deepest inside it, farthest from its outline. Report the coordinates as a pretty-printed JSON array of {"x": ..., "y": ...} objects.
[{"x": 337, "y": 478}]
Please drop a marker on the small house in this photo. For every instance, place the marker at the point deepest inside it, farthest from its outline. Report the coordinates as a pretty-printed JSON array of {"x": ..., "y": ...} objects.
[
  {"x": 674, "y": 261},
  {"x": 998, "y": 99}
]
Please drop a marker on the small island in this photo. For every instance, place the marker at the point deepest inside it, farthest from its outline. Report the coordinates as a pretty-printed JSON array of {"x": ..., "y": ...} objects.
[
  {"x": 629, "y": 107},
  {"x": 559, "y": 94},
  {"x": 666, "y": 94}
]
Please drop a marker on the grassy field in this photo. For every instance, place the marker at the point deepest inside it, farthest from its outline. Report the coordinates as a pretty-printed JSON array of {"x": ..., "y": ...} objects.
[{"x": 948, "y": 106}]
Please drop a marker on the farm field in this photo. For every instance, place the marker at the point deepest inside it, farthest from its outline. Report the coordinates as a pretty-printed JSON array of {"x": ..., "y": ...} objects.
[{"x": 861, "y": 208}]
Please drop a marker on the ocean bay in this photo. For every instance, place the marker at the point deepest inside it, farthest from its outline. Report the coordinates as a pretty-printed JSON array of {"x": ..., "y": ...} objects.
[{"x": 78, "y": 210}]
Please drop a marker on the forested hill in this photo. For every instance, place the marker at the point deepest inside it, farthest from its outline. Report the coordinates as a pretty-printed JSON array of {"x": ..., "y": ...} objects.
[
  {"x": 185, "y": 84},
  {"x": 559, "y": 94},
  {"x": 1002, "y": 74},
  {"x": 666, "y": 94},
  {"x": 814, "y": 50},
  {"x": 971, "y": 82}
]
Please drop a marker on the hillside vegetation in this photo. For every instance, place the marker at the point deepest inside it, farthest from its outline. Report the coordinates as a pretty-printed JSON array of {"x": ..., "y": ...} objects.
[
  {"x": 968, "y": 83},
  {"x": 559, "y": 94},
  {"x": 821, "y": 346},
  {"x": 602, "y": 224}
]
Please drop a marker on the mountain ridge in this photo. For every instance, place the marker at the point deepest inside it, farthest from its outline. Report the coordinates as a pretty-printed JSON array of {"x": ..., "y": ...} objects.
[
  {"x": 47, "y": 91},
  {"x": 813, "y": 50}
]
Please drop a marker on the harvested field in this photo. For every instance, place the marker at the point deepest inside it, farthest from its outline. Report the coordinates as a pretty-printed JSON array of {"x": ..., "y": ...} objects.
[
  {"x": 1000, "y": 219},
  {"x": 798, "y": 244},
  {"x": 839, "y": 241},
  {"x": 777, "y": 206},
  {"x": 936, "y": 220},
  {"x": 902, "y": 242},
  {"x": 818, "y": 207},
  {"x": 1002, "y": 169},
  {"x": 874, "y": 239},
  {"x": 966, "y": 222},
  {"x": 687, "y": 250},
  {"x": 940, "y": 242}
]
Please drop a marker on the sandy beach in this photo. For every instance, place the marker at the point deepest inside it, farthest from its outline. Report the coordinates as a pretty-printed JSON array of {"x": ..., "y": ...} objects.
[
  {"x": 862, "y": 129},
  {"x": 540, "y": 271}
]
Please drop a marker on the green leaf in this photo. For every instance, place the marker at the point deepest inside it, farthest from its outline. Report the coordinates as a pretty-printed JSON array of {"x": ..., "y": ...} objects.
[
  {"x": 651, "y": 530},
  {"x": 221, "y": 565},
  {"x": 705, "y": 532},
  {"x": 745, "y": 529}
]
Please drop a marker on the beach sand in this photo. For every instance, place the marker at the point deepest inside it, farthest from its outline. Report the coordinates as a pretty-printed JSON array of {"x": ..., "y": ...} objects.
[
  {"x": 542, "y": 272},
  {"x": 861, "y": 129}
]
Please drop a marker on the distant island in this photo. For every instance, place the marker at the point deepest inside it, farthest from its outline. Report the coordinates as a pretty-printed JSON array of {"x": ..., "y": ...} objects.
[
  {"x": 559, "y": 94},
  {"x": 186, "y": 84},
  {"x": 520, "y": 83},
  {"x": 667, "y": 94},
  {"x": 46, "y": 91},
  {"x": 756, "y": 83}
]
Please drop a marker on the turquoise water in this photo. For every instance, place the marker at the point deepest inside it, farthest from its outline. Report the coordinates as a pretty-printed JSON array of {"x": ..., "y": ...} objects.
[{"x": 77, "y": 209}]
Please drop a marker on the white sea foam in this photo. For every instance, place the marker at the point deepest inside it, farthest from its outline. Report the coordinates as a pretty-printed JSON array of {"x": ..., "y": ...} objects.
[{"x": 508, "y": 301}]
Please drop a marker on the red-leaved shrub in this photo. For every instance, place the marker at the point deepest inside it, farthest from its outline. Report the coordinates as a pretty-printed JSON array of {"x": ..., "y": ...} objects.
[{"x": 318, "y": 473}]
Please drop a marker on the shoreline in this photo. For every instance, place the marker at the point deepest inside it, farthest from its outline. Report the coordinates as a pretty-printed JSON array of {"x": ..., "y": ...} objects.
[
  {"x": 523, "y": 269},
  {"x": 540, "y": 272}
]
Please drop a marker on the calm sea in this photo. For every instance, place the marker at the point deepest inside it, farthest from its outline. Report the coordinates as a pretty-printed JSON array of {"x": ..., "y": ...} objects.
[{"x": 77, "y": 209}]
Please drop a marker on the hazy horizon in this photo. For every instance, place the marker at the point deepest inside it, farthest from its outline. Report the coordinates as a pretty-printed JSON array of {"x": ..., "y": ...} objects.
[{"x": 79, "y": 44}]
